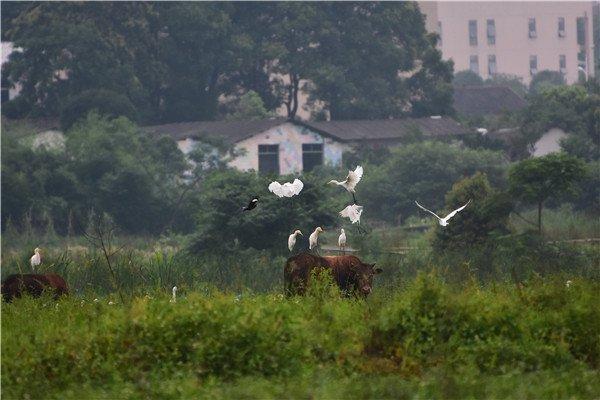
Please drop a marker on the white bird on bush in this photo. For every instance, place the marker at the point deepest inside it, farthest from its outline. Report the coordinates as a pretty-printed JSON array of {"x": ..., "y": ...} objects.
[
  {"x": 314, "y": 237},
  {"x": 342, "y": 240},
  {"x": 353, "y": 212},
  {"x": 351, "y": 181},
  {"x": 444, "y": 221},
  {"x": 568, "y": 284},
  {"x": 36, "y": 259},
  {"x": 292, "y": 239},
  {"x": 287, "y": 189},
  {"x": 174, "y": 298}
]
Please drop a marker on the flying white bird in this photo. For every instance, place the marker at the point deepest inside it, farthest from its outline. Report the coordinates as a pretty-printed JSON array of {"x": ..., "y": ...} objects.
[
  {"x": 351, "y": 181},
  {"x": 287, "y": 189},
  {"x": 342, "y": 240},
  {"x": 443, "y": 221},
  {"x": 174, "y": 297},
  {"x": 353, "y": 212},
  {"x": 292, "y": 239},
  {"x": 36, "y": 259},
  {"x": 314, "y": 237}
]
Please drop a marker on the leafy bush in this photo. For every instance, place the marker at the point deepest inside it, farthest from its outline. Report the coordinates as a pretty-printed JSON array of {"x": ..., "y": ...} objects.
[
  {"x": 104, "y": 102},
  {"x": 16, "y": 108},
  {"x": 478, "y": 224},
  {"x": 423, "y": 172},
  {"x": 545, "y": 79}
]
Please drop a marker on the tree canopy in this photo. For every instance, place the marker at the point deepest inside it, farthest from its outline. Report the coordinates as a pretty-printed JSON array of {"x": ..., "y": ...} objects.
[{"x": 175, "y": 61}]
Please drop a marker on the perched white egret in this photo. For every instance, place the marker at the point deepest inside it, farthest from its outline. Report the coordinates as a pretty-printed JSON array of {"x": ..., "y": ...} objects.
[
  {"x": 287, "y": 189},
  {"x": 174, "y": 297},
  {"x": 568, "y": 284},
  {"x": 314, "y": 237},
  {"x": 36, "y": 259},
  {"x": 292, "y": 239},
  {"x": 111, "y": 303},
  {"x": 353, "y": 212},
  {"x": 342, "y": 240},
  {"x": 443, "y": 221},
  {"x": 351, "y": 180}
]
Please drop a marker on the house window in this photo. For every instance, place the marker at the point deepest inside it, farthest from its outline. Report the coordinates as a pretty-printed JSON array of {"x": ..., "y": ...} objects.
[
  {"x": 561, "y": 27},
  {"x": 532, "y": 65},
  {"x": 562, "y": 64},
  {"x": 492, "y": 64},
  {"x": 532, "y": 30},
  {"x": 491, "y": 31},
  {"x": 581, "y": 59},
  {"x": 473, "y": 32},
  {"x": 581, "y": 31},
  {"x": 268, "y": 158},
  {"x": 474, "y": 64},
  {"x": 440, "y": 32},
  {"x": 312, "y": 155}
]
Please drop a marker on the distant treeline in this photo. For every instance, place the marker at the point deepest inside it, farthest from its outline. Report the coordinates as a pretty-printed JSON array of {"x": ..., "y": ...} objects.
[{"x": 159, "y": 62}]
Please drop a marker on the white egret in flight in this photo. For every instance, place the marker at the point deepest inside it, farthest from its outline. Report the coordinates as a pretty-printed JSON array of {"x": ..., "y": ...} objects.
[
  {"x": 36, "y": 259},
  {"x": 443, "y": 221},
  {"x": 292, "y": 239},
  {"x": 353, "y": 212},
  {"x": 342, "y": 240},
  {"x": 287, "y": 189},
  {"x": 351, "y": 181},
  {"x": 314, "y": 237}
]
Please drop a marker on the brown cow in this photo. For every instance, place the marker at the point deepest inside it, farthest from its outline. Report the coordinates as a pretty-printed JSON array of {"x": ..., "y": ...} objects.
[
  {"x": 34, "y": 285},
  {"x": 350, "y": 274}
]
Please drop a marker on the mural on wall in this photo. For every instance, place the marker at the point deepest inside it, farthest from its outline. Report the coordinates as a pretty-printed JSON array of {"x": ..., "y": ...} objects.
[{"x": 290, "y": 138}]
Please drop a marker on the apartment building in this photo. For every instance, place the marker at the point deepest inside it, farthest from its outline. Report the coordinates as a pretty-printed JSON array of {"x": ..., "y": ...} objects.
[{"x": 519, "y": 38}]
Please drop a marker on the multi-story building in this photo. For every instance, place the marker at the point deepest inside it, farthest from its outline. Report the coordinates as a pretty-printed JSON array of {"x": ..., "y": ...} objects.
[{"x": 520, "y": 38}]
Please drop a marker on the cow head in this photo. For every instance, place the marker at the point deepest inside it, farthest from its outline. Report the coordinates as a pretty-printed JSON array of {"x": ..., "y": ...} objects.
[{"x": 364, "y": 278}]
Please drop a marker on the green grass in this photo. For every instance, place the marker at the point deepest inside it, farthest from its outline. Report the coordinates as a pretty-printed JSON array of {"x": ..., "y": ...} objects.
[
  {"x": 426, "y": 338},
  {"x": 560, "y": 223}
]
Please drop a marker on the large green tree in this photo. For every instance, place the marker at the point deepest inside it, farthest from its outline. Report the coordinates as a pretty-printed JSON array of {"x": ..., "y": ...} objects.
[{"x": 536, "y": 180}]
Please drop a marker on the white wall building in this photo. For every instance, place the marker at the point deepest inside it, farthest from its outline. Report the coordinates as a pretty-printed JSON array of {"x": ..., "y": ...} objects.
[{"x": 520, "y": 38}]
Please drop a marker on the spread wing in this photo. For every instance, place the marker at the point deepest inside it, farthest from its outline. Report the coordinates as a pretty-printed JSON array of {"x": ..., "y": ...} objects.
[
  {"x": 353, "y": 212},
  {"x": 354, "y": 177},
  {"x": 429, "y": 211},
  {"x": 276, "y": 188},
  {"x": 297, "y": 186},
  {"x": 453, "y": 213}
]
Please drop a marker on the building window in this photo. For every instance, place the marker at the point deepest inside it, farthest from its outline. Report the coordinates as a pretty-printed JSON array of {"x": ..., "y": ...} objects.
[
  {"x": 268, "y": 158},
  {"x": 561, "y": 27},
  {"x": 492, "y": 65},
  {"x": 440, "y": 33},
  {"x": 562, "y": 64},
  {"x": 581, "y": 59},
  {"x": 581, "y": 31},
  {"x": 533, "y": 65},
  {"x": 474, "y": 64},
  {"x": 491, "y": 31},
  {"x": 532, "y": 30},
  {"x": 473, "y": 32},
  {"x": 312, "y": 156}
]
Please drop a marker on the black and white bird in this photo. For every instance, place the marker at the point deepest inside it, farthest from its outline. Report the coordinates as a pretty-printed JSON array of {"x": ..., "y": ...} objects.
[
  {"x": 444, "y": 221},
  {"x": 252, "y": 205},
  {"x": 351, "y": 181}
]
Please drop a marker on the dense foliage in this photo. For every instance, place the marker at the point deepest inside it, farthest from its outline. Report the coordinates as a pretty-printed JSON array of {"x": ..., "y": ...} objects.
[
  {"x": 173, "y": 61},
  {"x": 428, "y": 337},
  {"x": 422, "y": 171},
  {"x": 107, "y": 166}
]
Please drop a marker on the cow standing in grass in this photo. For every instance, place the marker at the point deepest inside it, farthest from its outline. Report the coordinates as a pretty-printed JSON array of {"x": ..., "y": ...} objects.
[
  {"x": 34, "y": 285},
  {"x": 349, "y": 273}
]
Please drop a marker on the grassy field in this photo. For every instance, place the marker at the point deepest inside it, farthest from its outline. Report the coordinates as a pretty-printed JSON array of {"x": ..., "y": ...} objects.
[{"x": 426, "y": 339}]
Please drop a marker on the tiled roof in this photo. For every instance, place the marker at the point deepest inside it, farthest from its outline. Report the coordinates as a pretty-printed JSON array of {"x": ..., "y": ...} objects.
[
  {"x": 348, "y": 130},
  {"x": 486, "y": 100}
]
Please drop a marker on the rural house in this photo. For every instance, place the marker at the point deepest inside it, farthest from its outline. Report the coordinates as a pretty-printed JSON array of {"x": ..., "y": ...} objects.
[
  {"x": 282, "y": 146},
  {"x": 478, "y": 101}
]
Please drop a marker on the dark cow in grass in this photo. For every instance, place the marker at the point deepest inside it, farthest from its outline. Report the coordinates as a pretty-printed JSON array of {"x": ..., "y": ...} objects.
[
  {"x": 34, "y": 285},
  {"x": 350, "y": 274}
]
